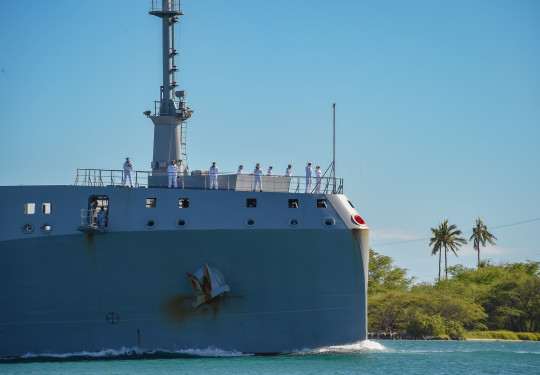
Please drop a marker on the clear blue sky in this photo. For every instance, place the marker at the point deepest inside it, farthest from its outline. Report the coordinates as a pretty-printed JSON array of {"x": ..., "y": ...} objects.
[{"x": 438, "y": 103}]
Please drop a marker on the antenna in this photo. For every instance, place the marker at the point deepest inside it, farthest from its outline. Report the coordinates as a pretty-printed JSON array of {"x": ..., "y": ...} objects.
[
  {"x": 169, "y": 13},
  {"x": 334, "y": 150}
]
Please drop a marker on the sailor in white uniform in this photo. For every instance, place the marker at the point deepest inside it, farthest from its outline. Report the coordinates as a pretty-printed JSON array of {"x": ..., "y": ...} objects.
[
  {"x": 258, "y": 173},
  {"x": 309, "y": 172},
  {"x": 214, "y": 170},
  {"x": 318, "y": 178},
  {"x": 173, "y": 174},
  {"x": 128, "y": 167},
  {"x": 102, "y": 218},
  {"x": 288, "y": 171},
  {"x": 240, "y": 170},
  {"x": 269, "y": 173}
]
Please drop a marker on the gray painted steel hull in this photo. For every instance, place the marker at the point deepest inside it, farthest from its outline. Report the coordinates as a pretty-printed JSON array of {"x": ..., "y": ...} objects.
[{"x": 291, "y": 288}]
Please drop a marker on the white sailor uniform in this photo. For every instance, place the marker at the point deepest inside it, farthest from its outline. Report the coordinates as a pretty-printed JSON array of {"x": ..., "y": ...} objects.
[
  {"x": 213, "y": 177},
  {"x": 258, "y": 173},
  {"x": 128, "y": 167},
  {"x": 309, "y": 172},
  {"x": 173, "y": 174},
  {"x": 318, "y": 178}
]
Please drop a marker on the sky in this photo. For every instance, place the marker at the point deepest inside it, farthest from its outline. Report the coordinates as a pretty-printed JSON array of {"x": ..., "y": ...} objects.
[{"x": 437, "y": 104}]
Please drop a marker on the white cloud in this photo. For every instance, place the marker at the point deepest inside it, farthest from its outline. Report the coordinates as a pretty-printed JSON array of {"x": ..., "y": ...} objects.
[
  {"x": 395, "y": 234},
  {"x": 468, "y": 250}
]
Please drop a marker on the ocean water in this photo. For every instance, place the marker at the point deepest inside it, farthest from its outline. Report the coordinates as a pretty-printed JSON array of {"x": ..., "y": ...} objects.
[{"x": 365, "y": 357}]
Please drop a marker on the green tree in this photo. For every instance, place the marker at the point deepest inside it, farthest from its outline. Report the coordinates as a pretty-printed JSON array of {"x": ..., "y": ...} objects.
[
  {"x": 383, "y": 275},
  {"x": 447, "y": 237},
  {"x": 387, "y": 311},
  {"x": 444, "y": 300},
  {"x": 513, "y": 300},
  {"x": 508, "y": 293},
  {"x": 481, "y": 236},
  {"x": 427, "y": 325},
  {"x": 387, "y": 293}
]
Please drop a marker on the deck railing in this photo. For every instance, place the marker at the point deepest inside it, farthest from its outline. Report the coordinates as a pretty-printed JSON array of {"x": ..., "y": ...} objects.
[
  {"x": 157, "y": 5},
  {"x": 201, "y": 180}
]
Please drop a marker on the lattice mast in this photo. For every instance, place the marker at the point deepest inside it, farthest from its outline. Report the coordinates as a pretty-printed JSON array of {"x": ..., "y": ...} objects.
[{"x": 171, "y": 111}]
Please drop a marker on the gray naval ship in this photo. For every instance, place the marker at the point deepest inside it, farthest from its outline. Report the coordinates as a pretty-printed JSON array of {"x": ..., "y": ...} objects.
[{"x": 171, "y": 269}]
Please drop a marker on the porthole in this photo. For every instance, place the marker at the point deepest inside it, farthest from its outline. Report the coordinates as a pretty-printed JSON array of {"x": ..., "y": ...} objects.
[
  {"x": 150, "y": 224},
  {"x": 46, "y": 228},
  {"x": 250, "y": 222},
  {"x": 329, "y": 222},
  {"x": 28, "y": 228},
  {"x": 181, "y": 223},
  {"x": 294, "y": 222}
]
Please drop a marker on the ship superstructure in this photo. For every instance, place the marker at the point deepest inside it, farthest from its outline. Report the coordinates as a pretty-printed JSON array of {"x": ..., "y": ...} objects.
[{"x": 96, "y": 265}]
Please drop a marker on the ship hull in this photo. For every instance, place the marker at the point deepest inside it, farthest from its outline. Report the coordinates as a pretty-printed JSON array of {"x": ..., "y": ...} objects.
[{"x": 289, "y": 290}]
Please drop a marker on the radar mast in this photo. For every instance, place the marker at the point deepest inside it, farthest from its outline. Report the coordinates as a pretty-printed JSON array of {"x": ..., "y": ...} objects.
[{"x": 170, "y": 112}]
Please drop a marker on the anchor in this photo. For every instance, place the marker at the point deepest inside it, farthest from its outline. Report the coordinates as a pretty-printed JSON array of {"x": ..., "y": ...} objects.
[{"x": 207, "y": 284}]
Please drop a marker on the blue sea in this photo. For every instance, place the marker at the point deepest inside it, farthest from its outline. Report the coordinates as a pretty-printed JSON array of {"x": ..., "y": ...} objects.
[{"x": 365, "y": 357}]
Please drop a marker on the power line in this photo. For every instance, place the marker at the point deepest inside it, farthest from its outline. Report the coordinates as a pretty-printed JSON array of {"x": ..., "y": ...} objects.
[
  {"x": 518, "y": 223},
  {"x": 427, "y": 238}
]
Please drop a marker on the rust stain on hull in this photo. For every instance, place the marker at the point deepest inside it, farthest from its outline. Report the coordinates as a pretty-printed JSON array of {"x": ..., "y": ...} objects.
[
  {"x": 90, "y": 239},
  {"x": 179, "y": 310}
]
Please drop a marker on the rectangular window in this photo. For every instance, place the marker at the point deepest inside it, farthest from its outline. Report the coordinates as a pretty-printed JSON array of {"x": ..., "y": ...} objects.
[
  {"x": 46, "y": 208},
  {"x": 29, "y": 208},
  {"x": 293, "y": 203},
  {"x": 183, "y": 203},
  {"x": 321, "y": 203},
  {"x": 151, "y": 202},
  {"x": 251, "y": 203}
]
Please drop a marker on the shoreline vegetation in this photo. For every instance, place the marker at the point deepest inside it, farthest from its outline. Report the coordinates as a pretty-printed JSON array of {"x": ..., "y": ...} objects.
[
  {"x": 492, "y": 302},
  {"x": 467, "y": 336}
]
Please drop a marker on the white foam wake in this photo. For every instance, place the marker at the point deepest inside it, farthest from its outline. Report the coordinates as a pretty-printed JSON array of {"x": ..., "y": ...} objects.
[
  {"x": 136, "y": 352},
  {"x": 354, "y": 348},
  {"x": 365, "y": 346}
]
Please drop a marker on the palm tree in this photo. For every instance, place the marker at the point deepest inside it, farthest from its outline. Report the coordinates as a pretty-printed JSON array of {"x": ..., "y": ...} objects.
[
  {"x": 437, "y": 247},
  {"x": 480, "y": 236},
  {"x": 447, "y": 237}
]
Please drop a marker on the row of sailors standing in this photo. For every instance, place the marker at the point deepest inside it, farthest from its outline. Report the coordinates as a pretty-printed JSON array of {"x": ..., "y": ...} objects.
[
  {"x": 214, "y": 171},
  {"x": 172, "y": 169},
  {"x": 288, "y": 173},
  {"x": 173, "y": 174}
]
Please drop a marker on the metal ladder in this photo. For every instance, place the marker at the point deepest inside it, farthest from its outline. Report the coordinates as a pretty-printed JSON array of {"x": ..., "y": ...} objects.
[{"x": 183, "y": 137}]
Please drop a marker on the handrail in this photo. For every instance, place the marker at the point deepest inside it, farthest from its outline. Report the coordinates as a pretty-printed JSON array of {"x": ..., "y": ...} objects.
[
  {"x": 201, "y": 180},
  {"x": 157, "y": 6}
]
